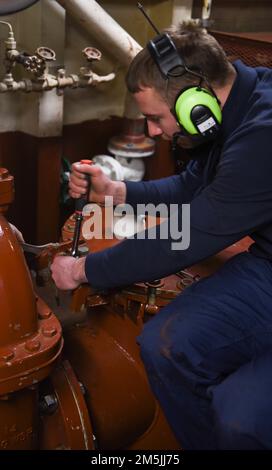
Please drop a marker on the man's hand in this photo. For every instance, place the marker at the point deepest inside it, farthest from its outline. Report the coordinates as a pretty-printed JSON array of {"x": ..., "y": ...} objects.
[
  {"x": 68, "y": 272},
  {"x": 101, "y": 185}
]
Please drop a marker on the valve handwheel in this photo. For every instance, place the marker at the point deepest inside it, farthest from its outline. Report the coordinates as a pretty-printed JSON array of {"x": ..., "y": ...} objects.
[{"x": 46, "y": 53}]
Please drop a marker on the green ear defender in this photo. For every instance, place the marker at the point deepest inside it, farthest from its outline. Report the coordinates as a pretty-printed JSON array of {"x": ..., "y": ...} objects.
[
  {"x": 198, "y": 112},
  {"x": 196, "y": 109}
]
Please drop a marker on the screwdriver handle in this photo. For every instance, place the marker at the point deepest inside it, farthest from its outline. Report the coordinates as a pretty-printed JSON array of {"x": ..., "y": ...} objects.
[
  {"x": 79, "y": 204},
  {"x": 82, "y": 200}
]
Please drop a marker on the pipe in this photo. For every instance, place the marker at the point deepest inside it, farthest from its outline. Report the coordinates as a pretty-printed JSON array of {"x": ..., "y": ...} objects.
[
  {"x": 182, "y": 11},
  {"x": 99, "y": 23},
  {"x": 206, "y": 9},
  {"x": 72, "y": 81}
]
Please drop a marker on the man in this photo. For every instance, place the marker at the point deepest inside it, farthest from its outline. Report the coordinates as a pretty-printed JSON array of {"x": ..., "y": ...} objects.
[{"x": 208, "y": 354}]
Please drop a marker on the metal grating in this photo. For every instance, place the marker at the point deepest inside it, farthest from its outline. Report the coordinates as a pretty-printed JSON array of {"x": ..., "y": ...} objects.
[{"x": 253, "y": 52}]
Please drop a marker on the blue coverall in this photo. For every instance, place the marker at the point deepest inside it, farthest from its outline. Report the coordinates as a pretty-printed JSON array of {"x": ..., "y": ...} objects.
[{"x": 208, "y": 354}]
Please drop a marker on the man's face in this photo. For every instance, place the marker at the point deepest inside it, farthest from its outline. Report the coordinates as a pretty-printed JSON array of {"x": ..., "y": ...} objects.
[{"x": 160, "y": 120}]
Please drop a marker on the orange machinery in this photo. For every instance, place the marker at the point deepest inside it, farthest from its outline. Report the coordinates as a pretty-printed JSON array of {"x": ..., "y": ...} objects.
[{"x": 93, "y": 393}]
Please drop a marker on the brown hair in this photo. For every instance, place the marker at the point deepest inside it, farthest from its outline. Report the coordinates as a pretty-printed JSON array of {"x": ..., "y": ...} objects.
[{"x": 201, "y": 53}]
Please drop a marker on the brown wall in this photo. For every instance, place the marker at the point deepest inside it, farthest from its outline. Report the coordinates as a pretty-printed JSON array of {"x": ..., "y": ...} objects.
[
  {"x": 35, "y": 165},
  {"x": 89, "y": 138}
]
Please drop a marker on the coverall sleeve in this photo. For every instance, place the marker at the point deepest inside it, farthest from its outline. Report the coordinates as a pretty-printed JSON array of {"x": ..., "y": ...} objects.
[
  {"x": 235, "y": 204},
  {"x": 169, "y": 190}
]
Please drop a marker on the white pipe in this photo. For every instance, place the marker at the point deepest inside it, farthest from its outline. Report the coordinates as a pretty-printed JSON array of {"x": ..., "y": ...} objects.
[
  {"x": 182, "y": 11},
  {"x": 206, "y": 9},
  {"x": 49, "y": 83},
  {"x": 99, "y": 23}
]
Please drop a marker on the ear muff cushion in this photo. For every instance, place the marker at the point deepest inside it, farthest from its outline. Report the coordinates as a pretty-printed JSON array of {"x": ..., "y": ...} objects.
[{"x": 188, "y": 99}]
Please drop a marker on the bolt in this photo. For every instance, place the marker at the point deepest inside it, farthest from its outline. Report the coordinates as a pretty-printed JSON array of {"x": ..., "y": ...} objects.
[
  {"x": 7, "y": 354},
  {"x": 82, "y": 388},
  {"x": 44, "y": 314},
  {"x": 4, "y": 397},
  {"x": 49, "y": 332},
  {"x": 33, "y": 345},
  {"x": 48, "y": 404},
  {"x": 155, "y": 283},
  {"x": 82, "y": 250},
  {"x": 3, "y": 173}
]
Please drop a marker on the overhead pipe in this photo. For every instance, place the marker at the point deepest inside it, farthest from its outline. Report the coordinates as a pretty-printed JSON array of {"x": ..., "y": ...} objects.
[
  {"x": 96, "y": 21},
  {"x": 206, "y": 13},
  {"x": 99, "y": 23},
  {"x": 206, "y": 9}
]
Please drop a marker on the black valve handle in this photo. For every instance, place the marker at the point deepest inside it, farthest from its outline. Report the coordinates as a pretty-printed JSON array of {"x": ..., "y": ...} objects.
[
  {"x": 82, "y": 200},
  {"x": 79, "y": 204}
]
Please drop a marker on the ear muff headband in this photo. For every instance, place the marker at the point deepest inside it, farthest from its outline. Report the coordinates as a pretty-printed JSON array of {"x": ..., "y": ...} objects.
[{"x": 196, "y": 97}]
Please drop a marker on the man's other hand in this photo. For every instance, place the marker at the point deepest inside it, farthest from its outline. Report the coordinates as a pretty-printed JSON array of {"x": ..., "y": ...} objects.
[{"x": 68, "y": 272}]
